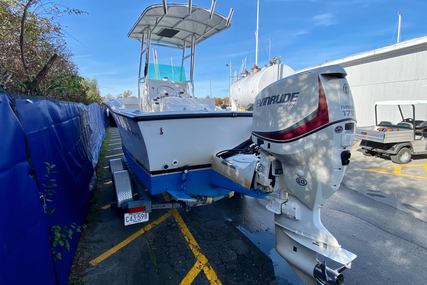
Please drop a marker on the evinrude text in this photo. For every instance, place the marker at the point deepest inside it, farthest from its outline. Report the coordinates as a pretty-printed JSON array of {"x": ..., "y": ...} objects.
[{"x": 289, "y": 98}]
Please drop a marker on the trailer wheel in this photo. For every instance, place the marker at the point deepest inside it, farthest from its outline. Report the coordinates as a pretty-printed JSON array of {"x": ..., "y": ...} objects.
[{"x": 402, "y": 157}]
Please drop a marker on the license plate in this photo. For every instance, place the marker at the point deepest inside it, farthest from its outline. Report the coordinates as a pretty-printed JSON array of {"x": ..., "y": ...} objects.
[{"x": 135, "y": 218}]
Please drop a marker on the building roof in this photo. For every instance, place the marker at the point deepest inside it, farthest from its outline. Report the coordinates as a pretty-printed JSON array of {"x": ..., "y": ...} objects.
[
  {"x": 401, "y": 102},
  {"x": 379, "y": 52}
]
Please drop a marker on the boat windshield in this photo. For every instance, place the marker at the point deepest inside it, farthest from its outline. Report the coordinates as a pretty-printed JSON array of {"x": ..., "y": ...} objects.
[{"x": 160, "y": 71}]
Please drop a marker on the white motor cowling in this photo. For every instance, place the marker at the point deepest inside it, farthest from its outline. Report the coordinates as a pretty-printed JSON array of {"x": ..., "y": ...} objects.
[
  {"x": 303, "y": 130},
  {"x": 307, "y": 122}
]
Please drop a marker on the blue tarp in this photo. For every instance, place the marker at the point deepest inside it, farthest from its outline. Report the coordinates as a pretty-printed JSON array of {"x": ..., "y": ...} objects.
[{"x": 67, "y": 135}]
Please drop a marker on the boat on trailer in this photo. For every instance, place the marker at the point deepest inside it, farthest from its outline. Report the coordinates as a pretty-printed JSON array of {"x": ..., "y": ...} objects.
[
  {"x": 169, "y": 140},
  {"x": 296, "y": 143}
]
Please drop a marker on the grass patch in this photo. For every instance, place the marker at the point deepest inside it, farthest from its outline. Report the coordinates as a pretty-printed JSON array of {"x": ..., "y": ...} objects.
[
  {"x": 93, "y": 214},
  {"x": 76, "y": 281},
  {"x": 98, "y": 240},
  {"x": 102, "y": 153}
]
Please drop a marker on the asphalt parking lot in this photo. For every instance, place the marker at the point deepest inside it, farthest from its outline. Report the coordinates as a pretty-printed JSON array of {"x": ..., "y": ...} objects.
[
  {"x": 379, "y": 213},
  {"x": 174, "y": 247}
]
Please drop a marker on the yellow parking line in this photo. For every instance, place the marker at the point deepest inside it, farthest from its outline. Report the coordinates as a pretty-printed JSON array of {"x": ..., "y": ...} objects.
[
  {"x": 398, "y": 170},
  {"x": 166, "y": 197},
  {"x": 113, "y": 250},
  {"x": 106, "y": 207},
  {"x": 202, "y": 260},
  {"x": 114, "y": 144},
  {"x": 410, "y": 165},
  {"x": 211, "y": 275},
  {"x": 119, "y": 154},
  {"x": 407, "y": 175},
  {"x": 198, "y": 266},
  {"x": 114, "y": 149},
  {"x": 201, "y": 263}
]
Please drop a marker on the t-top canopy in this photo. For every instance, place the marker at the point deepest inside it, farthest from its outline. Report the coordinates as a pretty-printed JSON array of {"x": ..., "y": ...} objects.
[{"x": 179, "y": 23}]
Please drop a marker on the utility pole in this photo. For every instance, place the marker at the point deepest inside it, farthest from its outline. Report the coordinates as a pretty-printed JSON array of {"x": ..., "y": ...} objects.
[{"x": 256, "y": 34}]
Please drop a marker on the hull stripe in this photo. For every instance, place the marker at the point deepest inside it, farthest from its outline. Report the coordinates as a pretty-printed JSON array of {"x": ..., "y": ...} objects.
[
  {"x": 181, "y": 116},
  {"x": 168, "y": 171}
]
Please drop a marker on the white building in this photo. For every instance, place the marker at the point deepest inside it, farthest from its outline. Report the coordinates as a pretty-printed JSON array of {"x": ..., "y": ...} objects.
[{"x": 394, "y": 72}]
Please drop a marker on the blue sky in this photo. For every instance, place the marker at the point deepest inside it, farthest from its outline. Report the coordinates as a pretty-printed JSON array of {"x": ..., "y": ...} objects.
[{"x": 303, "y": 33}]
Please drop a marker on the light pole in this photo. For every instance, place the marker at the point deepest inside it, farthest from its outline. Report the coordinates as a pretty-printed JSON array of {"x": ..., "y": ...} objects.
[{"x": 231, "y": 74}]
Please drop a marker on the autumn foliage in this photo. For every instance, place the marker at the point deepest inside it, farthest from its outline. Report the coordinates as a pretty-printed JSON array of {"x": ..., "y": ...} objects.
[{"x": 31, "y": 38}]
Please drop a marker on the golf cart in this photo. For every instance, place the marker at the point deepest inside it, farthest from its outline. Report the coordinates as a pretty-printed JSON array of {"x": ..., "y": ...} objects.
[{"x": 399, "y": 141}]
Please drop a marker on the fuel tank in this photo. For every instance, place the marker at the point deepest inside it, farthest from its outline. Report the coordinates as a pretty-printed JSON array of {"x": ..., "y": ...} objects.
[{"x": 243, "y": 91}]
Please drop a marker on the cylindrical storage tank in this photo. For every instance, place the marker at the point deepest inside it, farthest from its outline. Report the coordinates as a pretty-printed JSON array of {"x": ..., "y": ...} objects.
[{"x": 243, "y": 92}]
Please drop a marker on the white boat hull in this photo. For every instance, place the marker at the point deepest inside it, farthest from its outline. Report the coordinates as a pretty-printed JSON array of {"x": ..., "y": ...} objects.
[{"x": 160, "y": 146}]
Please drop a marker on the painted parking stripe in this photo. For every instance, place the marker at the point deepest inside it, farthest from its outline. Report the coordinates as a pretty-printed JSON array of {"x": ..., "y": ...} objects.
[
  {"x": 198, "y": 266},
  {"x": 106, "y": 207},
  {"x": 398, "y": 170},
  {"x": 202, "y": 261},
  {"x": 113, "y": 250},
  {"x": 113, "y": 155}
]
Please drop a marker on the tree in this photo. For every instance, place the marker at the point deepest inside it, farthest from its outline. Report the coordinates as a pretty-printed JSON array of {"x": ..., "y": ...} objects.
[
  {"x": 31, "y": 36},
  {"x": 92, "y": 90},
  {"x": 127, "y": 94},
  {"x": 220, "y": 101},
  {"x": 108, "y": 96}
]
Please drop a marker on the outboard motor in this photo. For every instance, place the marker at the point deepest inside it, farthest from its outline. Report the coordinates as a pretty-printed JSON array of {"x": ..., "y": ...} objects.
[
  {"x": 304, "y": 128},
  {"x": 307, "y": 123}
]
